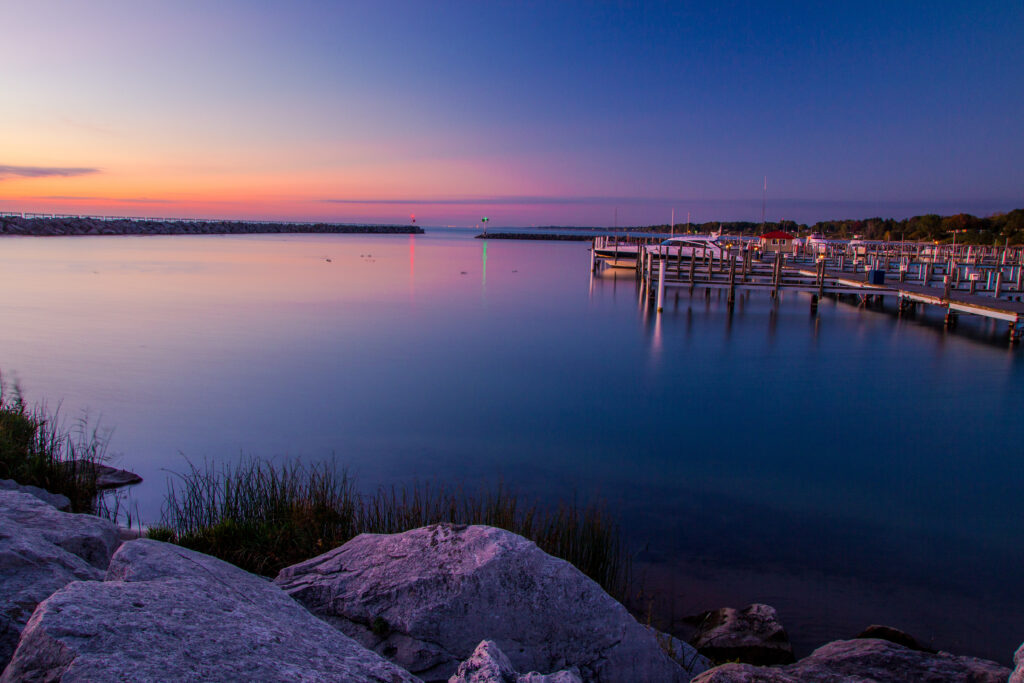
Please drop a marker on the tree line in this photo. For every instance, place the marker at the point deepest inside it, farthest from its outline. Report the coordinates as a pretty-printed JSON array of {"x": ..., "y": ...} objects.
[{"x": 996, "y": 229}]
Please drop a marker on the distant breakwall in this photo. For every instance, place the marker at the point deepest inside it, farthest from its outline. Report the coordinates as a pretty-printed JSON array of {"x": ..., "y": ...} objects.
[
  {"x": 14, "y": 225},
  {"x": 534, "y": 236}
]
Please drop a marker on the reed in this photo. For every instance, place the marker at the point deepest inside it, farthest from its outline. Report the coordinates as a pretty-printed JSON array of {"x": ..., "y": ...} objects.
[
  {"x": 37, "y": 449},
  {"x": 264, "y": 516}
]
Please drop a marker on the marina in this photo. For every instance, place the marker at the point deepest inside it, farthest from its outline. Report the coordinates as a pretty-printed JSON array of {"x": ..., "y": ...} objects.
[{"x": 959, "y": 279}]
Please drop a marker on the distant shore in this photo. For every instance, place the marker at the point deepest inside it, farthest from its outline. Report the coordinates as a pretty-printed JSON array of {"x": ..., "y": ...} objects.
[
  {"x": 534, "y": 236},
  {"x": 14, "y": 225}
]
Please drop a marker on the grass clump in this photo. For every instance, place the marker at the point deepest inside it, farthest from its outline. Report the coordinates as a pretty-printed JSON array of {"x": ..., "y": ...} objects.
[
  {"x": 36, "y": 450},
  {"x": 265, "y": 516}
]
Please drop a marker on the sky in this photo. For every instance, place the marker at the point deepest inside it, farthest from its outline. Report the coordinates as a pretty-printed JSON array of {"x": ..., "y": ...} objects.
[{"x": 530, "y": 113}]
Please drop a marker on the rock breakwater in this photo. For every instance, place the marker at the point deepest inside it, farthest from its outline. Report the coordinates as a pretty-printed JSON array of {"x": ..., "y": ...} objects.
[{"x": 15, "y": 225}]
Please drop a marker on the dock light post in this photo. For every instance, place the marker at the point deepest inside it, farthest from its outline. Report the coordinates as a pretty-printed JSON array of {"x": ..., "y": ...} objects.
[{"x": 484, "y": 221}]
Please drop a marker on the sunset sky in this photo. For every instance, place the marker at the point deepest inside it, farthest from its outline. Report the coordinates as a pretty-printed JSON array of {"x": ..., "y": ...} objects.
[{"x": 528, "y": 112}]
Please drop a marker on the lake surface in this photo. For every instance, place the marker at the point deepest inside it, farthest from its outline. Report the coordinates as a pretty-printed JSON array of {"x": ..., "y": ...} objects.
[{"x": 848, "y": 468}]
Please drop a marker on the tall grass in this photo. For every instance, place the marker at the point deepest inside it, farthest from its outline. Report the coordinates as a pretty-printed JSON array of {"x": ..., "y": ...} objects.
[
  {"x": 38, "y": 450},
  {"x": 264, "y": 516}
]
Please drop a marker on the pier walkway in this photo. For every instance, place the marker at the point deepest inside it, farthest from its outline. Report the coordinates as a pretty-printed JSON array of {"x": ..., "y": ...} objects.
[
  {"x": 952, "y": 299},
  {"x": 991, "y": 289}
]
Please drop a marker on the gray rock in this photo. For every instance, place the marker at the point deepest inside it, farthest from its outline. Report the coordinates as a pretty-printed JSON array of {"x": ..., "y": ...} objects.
[
  {"x": 865, "y": 659},
  {"x": 108, "y": 477},
  {"x": 41, "y": 551},
  {"x": 89, "y": 537},
  {"x": 488, "y": 664},
  {"x": 55, "y": 499},
  {"x": 427, "y": 597},
  {"x": 1018, "y": 672},
  {"x": 170, "y": 614},
  {"x": 894, "y": 635},
  {"x": 752, "y": 635}
]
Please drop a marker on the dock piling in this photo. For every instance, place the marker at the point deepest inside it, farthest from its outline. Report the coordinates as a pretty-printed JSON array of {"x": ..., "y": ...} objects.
[
  {"x": 732, "y": 279},
  {"x": 661, "y": 285}
]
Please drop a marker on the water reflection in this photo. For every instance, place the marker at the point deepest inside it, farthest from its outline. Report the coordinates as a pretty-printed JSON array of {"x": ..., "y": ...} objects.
[
  {"x": 211, "y": 346},
  {"x": 412, "y": 267},
  {"x": 483, "y": 269}
]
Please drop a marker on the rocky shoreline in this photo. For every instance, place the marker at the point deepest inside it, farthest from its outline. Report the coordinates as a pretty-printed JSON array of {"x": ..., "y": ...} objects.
[
  {"x": 57, "y": 226},
  {"x": 440, "y": 603}
]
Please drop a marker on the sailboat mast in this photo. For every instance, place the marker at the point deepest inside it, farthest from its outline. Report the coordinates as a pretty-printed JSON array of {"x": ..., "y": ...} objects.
[
  {"x": 673, "y": 233},
  {"x": 764, "y": 198}
]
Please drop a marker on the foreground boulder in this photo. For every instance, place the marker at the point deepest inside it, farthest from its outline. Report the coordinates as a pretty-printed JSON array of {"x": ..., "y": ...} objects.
[
  {"x": 894, "y": 635},
  {"x": 41, "y": 551},
  {"x": 488, "y": 664},
  {"x": 879, "y": 661},
  {"x": 165, "y": 613},
  {"x": 427, "y": 597},
  {"x": 752, "y": 635},
  {"x": 1018, "y": 673},
  {"x": 58, "y": 501}
]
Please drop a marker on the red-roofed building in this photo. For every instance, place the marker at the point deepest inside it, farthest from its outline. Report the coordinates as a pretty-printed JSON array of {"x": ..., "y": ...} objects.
[{"x": 778, "y": 241}]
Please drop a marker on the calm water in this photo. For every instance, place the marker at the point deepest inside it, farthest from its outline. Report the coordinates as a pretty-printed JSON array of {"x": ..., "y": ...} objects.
[{"x": 849, "y": 468}]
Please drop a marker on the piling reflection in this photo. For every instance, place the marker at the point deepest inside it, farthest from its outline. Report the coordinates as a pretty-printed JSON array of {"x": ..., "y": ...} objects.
[{"x": 483, "y": 270}]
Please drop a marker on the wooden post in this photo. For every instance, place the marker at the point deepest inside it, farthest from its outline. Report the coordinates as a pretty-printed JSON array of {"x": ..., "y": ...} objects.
[
  {"x": 999, "y": 281},
  {"x": 661, "y": 285},
  {"x": 693, "y": 264},
  {"x": 593, "y": 257},
  {"x": 732, "y": 279}
]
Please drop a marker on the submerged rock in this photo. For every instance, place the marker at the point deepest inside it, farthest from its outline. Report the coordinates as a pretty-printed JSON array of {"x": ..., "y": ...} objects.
[
  {"x": 55, "y": 499},
  {"x": 894, "y": 635},
  {"x": 488, "y": 664},
  {"x": 427, "y": 597},
  {"x": 108, "y": 477},
  {"x": 879, "y": 661},
  {"x": 752, "y": 635},
  {"x": 165, "y": 613},
  {"x": 41, "y": 551}
]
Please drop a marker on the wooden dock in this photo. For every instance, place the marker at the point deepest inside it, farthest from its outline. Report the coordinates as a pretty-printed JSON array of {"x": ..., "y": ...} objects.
[
  {"x": 987, "y": 284},
  {"x": 954, "y": 301}
]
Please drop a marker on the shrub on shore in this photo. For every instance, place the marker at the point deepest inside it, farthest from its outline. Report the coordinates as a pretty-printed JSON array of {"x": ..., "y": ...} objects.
[
  {"x": 36, "y": 450},
  {"x": 264, "y": 516}
]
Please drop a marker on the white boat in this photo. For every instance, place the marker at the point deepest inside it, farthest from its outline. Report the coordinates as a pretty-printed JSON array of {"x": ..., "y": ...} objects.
[
  {"x": 714, "y": 246},
  {"x": 617, "y": 254},
  {"x": 683, "y": 247}
]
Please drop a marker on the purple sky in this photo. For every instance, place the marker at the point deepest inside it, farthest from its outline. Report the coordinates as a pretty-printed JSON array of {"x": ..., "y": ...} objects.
[{"x": 528, "y": 112}]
